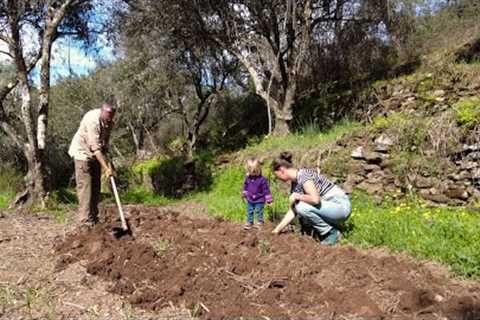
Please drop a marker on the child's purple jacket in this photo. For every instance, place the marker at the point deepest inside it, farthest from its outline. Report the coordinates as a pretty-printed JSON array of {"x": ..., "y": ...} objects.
[{"x": 256, "y": 190}]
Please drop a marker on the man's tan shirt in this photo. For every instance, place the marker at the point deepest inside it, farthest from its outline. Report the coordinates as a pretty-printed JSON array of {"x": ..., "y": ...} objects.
[{"x": 91, "y": 137}]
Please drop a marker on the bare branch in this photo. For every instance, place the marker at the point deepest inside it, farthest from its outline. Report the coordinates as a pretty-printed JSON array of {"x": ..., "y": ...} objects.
[{"x": 6, "y": 53}]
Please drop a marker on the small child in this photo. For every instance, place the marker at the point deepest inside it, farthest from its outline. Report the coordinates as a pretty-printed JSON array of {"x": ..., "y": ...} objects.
[{"x": 256, "y": 192}]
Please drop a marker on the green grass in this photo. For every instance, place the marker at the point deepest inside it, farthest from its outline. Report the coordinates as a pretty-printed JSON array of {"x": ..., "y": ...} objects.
[
  {"x": 224, "y": 196},
  {"x": 445, "y": 235},
  {"x": 142, "y": 195},
  {"x": 5, "y": 198},
  {"x": 309, "y": 137},
  {"x": 9, "y": 183}
]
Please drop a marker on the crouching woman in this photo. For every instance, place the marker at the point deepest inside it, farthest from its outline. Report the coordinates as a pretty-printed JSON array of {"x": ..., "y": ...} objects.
[{"x": 320, "y": 205}]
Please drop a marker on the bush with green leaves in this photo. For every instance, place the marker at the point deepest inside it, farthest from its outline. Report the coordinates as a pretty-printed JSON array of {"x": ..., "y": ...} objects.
[
  {"x": 468, "y": 112},
  {"x": 172, "y": 177}
]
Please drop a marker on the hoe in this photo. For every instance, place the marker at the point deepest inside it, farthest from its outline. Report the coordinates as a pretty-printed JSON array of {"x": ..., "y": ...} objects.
[{"x": 125, "y": 228}]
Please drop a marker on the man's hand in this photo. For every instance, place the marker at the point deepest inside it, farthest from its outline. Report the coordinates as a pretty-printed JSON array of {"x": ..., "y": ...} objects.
[{"x": 110, "y": 172}]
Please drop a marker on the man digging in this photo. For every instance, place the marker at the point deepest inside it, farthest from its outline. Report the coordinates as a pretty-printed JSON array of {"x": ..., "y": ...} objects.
[{"x": 88, "y": 149}]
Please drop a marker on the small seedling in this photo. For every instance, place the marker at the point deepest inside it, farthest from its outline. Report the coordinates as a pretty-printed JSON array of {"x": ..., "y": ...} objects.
[
  {"x": 264, "y": 247},
  {"x": 161, "y": 246},
  {"x": 6, "y": 299}
]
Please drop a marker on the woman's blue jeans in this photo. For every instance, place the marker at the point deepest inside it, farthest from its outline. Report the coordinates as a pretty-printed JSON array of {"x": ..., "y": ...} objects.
[{"x": 330, "y": 213}]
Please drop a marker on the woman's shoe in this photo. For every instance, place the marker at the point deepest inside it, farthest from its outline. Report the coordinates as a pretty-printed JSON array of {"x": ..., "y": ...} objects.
[{"x": 331, "y": 238}]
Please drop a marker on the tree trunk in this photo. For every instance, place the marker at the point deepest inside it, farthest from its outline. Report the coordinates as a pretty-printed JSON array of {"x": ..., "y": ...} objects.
[
  {"x": 282, "y": 121},
  {"x": 35, "y": 141},
  {"x": 42, "y": 120},
  {"x": 191, "y": 143},
  {"x": 281, "y": 127},
  {"x": 284, "y": 113},
  {"x": 36, "y": 178}
]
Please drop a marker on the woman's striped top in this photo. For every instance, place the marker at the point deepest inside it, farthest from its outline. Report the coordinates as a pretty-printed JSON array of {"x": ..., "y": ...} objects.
[{"x": 322, "y": 184}]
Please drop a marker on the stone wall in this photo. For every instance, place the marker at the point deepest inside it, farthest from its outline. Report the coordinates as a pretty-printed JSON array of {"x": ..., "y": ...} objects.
[{"x": 370, "y": 170}]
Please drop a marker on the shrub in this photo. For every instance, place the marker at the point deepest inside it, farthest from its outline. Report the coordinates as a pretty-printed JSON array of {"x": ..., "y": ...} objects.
[
  {"x": 174, "y": 176},
  {"x": 468, "y": 112}
]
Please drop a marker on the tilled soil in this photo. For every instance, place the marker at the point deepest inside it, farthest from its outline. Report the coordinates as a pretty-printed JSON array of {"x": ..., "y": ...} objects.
[{"x": 220, "y": 271}]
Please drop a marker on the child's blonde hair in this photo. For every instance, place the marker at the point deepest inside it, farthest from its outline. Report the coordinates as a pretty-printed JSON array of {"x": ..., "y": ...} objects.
[{"x": 253, "y": 167}]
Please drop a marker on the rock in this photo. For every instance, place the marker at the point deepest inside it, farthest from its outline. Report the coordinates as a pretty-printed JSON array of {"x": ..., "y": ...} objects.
[
  {"x": 356, "y": 168},
  {"x": 422, "y": 182},
  {"x": 476, "y": 173},
  {"x": 462, "y": 175},
  {"x": 398, "y": 183},
  {"x": 388, "y": 179},
  {"x": 475, "y": 194},
  {"x": 351, "y": 182},
  {"x": 411, "y": 99},
  {"x": 358, "y": 153},
  {"x": 348, "y": 187},
  {"x": 382, "y": 148},
  {"x": 390, "y": 188},
  {"x": 375, "y": 177},
  {"x": 473, "y": 156},
  {"x": 371, "y": 188},
  {"x": 472, "y": 147},
  {"x": 439, "y": 93},
  {"x": 468, "y": 165},
  {"x": 434, "y": 195},
  {"x": 373, "y": 158},
  {"x": 387, "y": 163},
  {"x": 354, "y": 179},
  {"x": 385, "y": 140},
  {"x": 371, "y": 167},
  {"x": 457, "y": 193}
]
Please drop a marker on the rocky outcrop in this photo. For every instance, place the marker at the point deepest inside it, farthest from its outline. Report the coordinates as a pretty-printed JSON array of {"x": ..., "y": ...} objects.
[{"x": 369, "y": 170}]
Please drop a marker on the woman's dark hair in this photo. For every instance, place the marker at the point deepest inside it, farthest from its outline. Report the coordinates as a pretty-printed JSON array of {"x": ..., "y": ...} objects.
[{"x": 284, "y": 160}]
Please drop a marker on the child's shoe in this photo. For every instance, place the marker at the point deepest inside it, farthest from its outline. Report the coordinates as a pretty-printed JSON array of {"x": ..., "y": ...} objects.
[
  {"x": 247, "y": 226},
  {"x": 259, "y": 225}
]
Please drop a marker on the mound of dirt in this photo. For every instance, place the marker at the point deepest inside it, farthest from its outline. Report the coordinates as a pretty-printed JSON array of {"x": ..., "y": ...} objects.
[{"x": 219, "y": 270}]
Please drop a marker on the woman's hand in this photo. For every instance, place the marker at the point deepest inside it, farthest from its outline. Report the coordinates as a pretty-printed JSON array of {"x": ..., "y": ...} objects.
[
  {"x": 294, "y": 198},
  {"x": 289, "y": 216}
]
